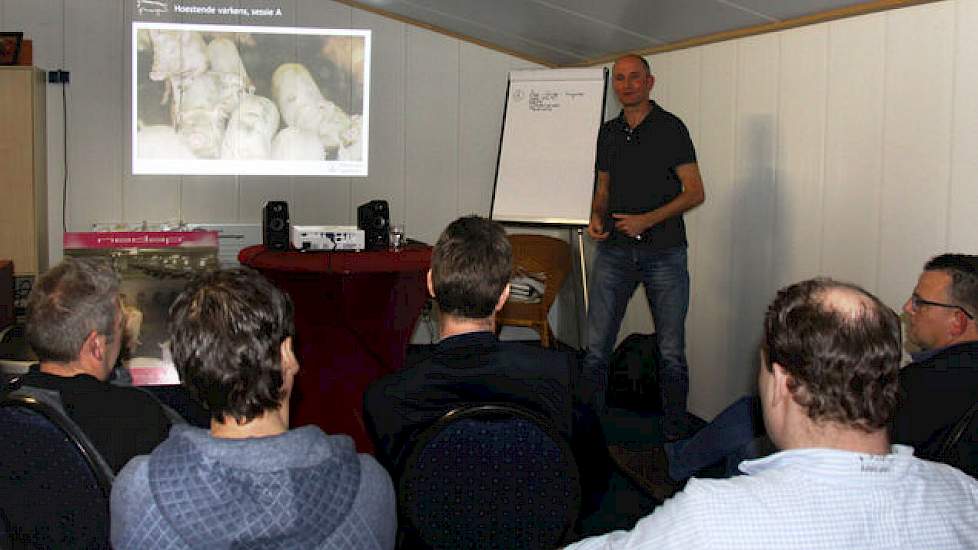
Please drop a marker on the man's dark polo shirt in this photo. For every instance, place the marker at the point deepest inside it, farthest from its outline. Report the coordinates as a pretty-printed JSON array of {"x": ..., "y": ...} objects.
[
  {"x": 934, "y": 393},
  {"x": 121, "y": 422},
  {"x": 642, "y": 164}
]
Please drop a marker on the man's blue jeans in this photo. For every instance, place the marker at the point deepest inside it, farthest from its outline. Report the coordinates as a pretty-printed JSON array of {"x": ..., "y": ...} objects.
[
  {"x": 732, "y": 436},
  {"x": 618, "y": 268}
]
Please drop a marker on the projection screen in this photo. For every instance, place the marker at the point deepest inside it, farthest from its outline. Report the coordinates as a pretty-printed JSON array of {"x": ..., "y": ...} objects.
[{"x": 220, "y": 99}]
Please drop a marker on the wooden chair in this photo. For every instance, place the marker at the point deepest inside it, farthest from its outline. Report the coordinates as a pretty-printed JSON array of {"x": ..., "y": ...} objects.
[{"x": 536, "y": 254}]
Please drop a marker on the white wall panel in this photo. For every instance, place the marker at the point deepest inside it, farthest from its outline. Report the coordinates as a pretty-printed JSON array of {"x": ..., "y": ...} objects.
[
  {"x": 684, "y": 101},
  {"x": 708, "y": 327},
  {"x": 755, "y": 198},
  {"x": 963, "y": 214},
  {"x": 853, "y": 149},
  {"x": 797, "y": 246},
  {"x": 211, "y": 199},
  {"x": 483, "y": 76},
  {"x": 387, "y": 79},
  {"x": 42, "y": 23},
  {"x": 431, "y": 121},
  {"x": 94, "y": 53},
  {"x": 916, "y": 144}
]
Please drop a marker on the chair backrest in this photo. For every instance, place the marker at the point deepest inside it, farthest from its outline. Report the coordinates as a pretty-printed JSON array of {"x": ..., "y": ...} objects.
[
  {"x": 54, "y": 491},
  {"x": 540, "y": 253},
  {"x": 960, "y": 446},
  {"x": 489, "y": 476}
]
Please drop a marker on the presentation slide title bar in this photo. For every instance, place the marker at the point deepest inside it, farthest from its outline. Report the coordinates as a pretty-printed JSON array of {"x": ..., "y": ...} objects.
[{"x": 162, "y": 9}]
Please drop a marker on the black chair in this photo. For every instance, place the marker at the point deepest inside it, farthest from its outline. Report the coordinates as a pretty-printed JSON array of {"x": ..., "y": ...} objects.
[
  {"x": 489, "y": 476},
  {"x": 54, "y": 486},
  {"x": 960, "y": 446}
]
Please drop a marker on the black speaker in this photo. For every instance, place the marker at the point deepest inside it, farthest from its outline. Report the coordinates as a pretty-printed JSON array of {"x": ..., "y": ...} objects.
[
  {"x": 374, "y": 218},
  {"x": 275, "y": 225}
]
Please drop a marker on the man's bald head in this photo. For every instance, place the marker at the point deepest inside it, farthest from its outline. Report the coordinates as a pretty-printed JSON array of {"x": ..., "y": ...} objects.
[
  {"x": 637, "y": 58},
  {"x": 841, "y": 347}
]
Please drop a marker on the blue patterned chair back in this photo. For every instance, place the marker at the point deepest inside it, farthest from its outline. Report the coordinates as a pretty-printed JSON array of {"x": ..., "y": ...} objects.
[
  {"x": 54, "y": 487},
  {"x": 489, "y": 476}
]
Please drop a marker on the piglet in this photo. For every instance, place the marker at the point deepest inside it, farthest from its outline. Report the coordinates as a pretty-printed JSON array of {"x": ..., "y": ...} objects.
[
  {"x": 303, "y": 105},
  {"x": 250, "y": 129}
]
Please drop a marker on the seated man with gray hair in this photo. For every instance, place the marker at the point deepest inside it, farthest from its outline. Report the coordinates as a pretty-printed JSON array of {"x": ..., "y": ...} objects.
[
  {"x": 75, "y": 327},
  {"x": 830, "y": 357}
]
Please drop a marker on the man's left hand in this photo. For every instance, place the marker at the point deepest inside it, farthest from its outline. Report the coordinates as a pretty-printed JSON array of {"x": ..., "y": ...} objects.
[{"x": 631, "y": 224}]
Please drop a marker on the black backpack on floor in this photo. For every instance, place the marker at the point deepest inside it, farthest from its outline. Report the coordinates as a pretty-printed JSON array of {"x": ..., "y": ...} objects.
[{"x": 633, "y": 380}]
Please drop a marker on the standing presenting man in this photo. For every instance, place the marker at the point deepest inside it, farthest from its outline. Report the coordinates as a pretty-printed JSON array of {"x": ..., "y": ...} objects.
[{"x": 647, "y": 179}]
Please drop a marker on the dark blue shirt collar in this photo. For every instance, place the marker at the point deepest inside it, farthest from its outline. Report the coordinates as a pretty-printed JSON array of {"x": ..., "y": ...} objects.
[{"x": 928, "y": 354}]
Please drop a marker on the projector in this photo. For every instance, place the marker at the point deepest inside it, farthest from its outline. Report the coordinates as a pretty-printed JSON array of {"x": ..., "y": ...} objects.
[{"x": 327, "y": 237}]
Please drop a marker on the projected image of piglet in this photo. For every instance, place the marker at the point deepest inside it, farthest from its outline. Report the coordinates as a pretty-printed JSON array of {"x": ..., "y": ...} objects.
[
  {"x": 203, "y": 114},
  {"x": 304, "y": 107},
  {"x": 352, "y": 138},
  {"x": 250, "y": 130},
  {"x": 233, "y": 77},
  {"x": 178, "y": 58},
  {"x": 224, "y": 58}
]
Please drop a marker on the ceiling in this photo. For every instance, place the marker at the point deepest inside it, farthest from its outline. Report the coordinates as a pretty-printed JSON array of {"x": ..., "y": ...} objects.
[{"x": 583, "y": 32}]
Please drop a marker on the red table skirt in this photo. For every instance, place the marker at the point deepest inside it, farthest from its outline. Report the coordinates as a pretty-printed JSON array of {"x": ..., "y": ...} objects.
[{"x": 355, "y": 313}]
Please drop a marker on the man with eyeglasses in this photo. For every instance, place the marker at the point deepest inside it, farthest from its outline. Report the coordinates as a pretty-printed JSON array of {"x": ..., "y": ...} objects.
[{"x": 941, "y": 384}]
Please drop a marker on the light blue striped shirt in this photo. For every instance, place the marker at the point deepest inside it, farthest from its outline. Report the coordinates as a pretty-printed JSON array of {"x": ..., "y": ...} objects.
[{"x": 813, "y": 499}]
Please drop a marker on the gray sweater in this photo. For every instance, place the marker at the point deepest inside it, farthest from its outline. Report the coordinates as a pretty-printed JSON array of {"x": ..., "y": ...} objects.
[{"x": 300, "y": 489}]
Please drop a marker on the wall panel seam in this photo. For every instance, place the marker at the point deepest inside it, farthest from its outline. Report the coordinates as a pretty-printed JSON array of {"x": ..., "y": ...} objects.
[
  {"x": 826, "y": 53},
  {"x": 955, "y": 29},
  {"x": 882, "y": 155}
]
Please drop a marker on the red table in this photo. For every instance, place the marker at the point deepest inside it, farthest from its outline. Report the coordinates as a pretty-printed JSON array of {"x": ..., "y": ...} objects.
[{"x": 355, "y": 313}]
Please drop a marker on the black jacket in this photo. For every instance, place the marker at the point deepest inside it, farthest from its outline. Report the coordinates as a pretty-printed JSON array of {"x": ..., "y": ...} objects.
[
  {"x": 934, "y": 394},
  {"x": 478, "y": 368}
]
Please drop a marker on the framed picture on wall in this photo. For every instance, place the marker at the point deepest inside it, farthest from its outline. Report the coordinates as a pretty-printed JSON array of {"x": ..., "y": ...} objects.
[{"x": 10, "y": 47}]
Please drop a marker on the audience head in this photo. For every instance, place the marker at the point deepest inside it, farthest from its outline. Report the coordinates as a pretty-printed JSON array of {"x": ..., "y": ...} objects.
[
  {"x": 470, "y": 268},
  {"x": 230, "y": 336},
  {"x": 74, "y": 315},
  {"x": 942, "y": 309},
  {"x": 836, "y": 349}
]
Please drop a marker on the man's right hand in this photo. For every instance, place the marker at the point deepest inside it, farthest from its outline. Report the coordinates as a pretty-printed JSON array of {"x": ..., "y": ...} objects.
[{"x": 595, "y": 229}]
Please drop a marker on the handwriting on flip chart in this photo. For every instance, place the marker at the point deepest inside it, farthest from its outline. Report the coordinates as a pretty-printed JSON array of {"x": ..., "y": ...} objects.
[{"x": 549, "y": 100}]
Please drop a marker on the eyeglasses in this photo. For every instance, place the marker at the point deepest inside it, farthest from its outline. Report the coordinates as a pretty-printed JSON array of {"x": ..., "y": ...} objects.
[{"x": 917, "y": 301}]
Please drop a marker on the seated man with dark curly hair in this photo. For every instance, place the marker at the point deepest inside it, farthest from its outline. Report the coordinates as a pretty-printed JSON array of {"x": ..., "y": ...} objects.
[{"x": 249, "y": 481}]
